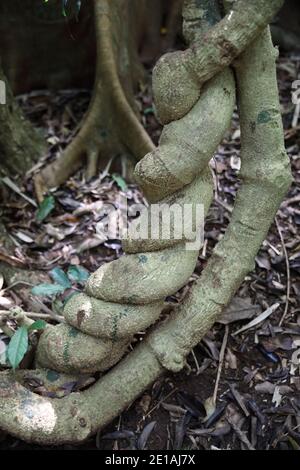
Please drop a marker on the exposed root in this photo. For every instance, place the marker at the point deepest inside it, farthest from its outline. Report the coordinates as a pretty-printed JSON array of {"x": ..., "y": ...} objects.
[{"x": 266, "y": 178}]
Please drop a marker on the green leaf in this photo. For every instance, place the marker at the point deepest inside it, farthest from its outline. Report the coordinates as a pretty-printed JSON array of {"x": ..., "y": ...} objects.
[
  {"x": 78, "y": 273},
  {"x": 120, "y": 182},
  {"x": 47, "y": 289},
  {"x": 38, "y": 325},
  {"x": 45, "y": 208},
  {"x": 60, "y": 277},
  {"x": 17, "y": 347}
]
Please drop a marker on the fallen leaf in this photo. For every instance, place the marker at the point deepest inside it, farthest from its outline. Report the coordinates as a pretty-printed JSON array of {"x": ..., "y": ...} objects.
[
  {"x": 90, "y": 243},
  {"x": 78, "y": 273},
  {"x": 263, "y": 262},
  {"x": 59, "y": 276},
  {"x": 235, "y": 162},
  {"x": 45, "y": 208},
  {"x": 277, "y": 397},
  {"x": 258, "y": 319},
  {"x": 239, "y": 309},
  {"x": 269, "y": 388},
  {"x": 285, "y": 343},
  {"x": 24, "y": 238},
  {"x": 231, "y": 360},
  {"x": 120, "y": 181},
  {"x": 17, "y": 190},
  {"x": 210, "y": 408}
]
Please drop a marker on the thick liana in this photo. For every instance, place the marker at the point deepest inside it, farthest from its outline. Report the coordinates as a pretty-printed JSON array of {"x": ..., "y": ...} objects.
[{"x": 123, "y": 307}]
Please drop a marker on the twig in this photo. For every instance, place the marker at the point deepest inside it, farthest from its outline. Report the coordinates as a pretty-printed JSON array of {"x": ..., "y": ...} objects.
[
  {"x": 296, "y": 115},
  {"x": 239, "y": 399},
  {"x": 196, "y": 362},
  {"x": 258, "y": 319},
  {"x": 158, "y": 404},
  {"x": 290, "y": 201},
  {"x": 17, "y": 190},
  {"x": 54, "y": 316},
  {"x": 43, "y": 316},
  {"x": 17, "y": 283},
  {"x": 288, "y": 274},
  {"x": 116, "y": 444},
  {"x": 224, "y": 205},
  {"x": 221, "y": 360}
]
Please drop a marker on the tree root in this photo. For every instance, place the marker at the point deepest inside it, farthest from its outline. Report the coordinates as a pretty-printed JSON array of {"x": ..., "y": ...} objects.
[
  {"x": 112, "y": 100},
  {"x": 266, "y": 177}
]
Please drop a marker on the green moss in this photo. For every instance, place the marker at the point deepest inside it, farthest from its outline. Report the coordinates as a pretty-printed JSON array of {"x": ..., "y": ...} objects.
[
  {"x": 267, "y": 115},
  {"x": 52, "y": 375}
]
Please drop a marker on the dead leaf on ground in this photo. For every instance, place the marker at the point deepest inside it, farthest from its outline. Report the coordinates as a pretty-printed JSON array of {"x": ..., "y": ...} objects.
[{"x": 239, "y": 309}]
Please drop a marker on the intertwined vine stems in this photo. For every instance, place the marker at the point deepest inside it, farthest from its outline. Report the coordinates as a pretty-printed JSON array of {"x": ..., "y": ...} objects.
[{"x": 195, "y": 96}]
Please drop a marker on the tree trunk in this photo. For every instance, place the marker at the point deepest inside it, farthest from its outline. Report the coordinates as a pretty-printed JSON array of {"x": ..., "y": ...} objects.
[{"x": 20, "y": 144}]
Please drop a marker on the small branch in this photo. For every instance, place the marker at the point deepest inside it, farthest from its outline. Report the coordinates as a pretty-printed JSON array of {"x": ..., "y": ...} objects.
[
  {"x": 43, "y": 316},
  {"x": 17, "y": 315},
  {"x": 48, "y": 311},
  {"x": 221, "y": 360},
  {"x": 258, "y": 319},
  {"x": 288, "y": 274}
]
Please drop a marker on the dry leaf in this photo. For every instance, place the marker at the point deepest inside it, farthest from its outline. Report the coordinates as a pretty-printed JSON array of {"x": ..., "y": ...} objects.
[{"x": 239, "y": 309}]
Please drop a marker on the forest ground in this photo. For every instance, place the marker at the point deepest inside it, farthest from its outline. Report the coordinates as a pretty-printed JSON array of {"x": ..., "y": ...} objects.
[{"x": 258, "y": 394}]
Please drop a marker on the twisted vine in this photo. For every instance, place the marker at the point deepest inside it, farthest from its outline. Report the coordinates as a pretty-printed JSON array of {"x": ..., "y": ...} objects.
[{"x": 126, "y": 295}]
